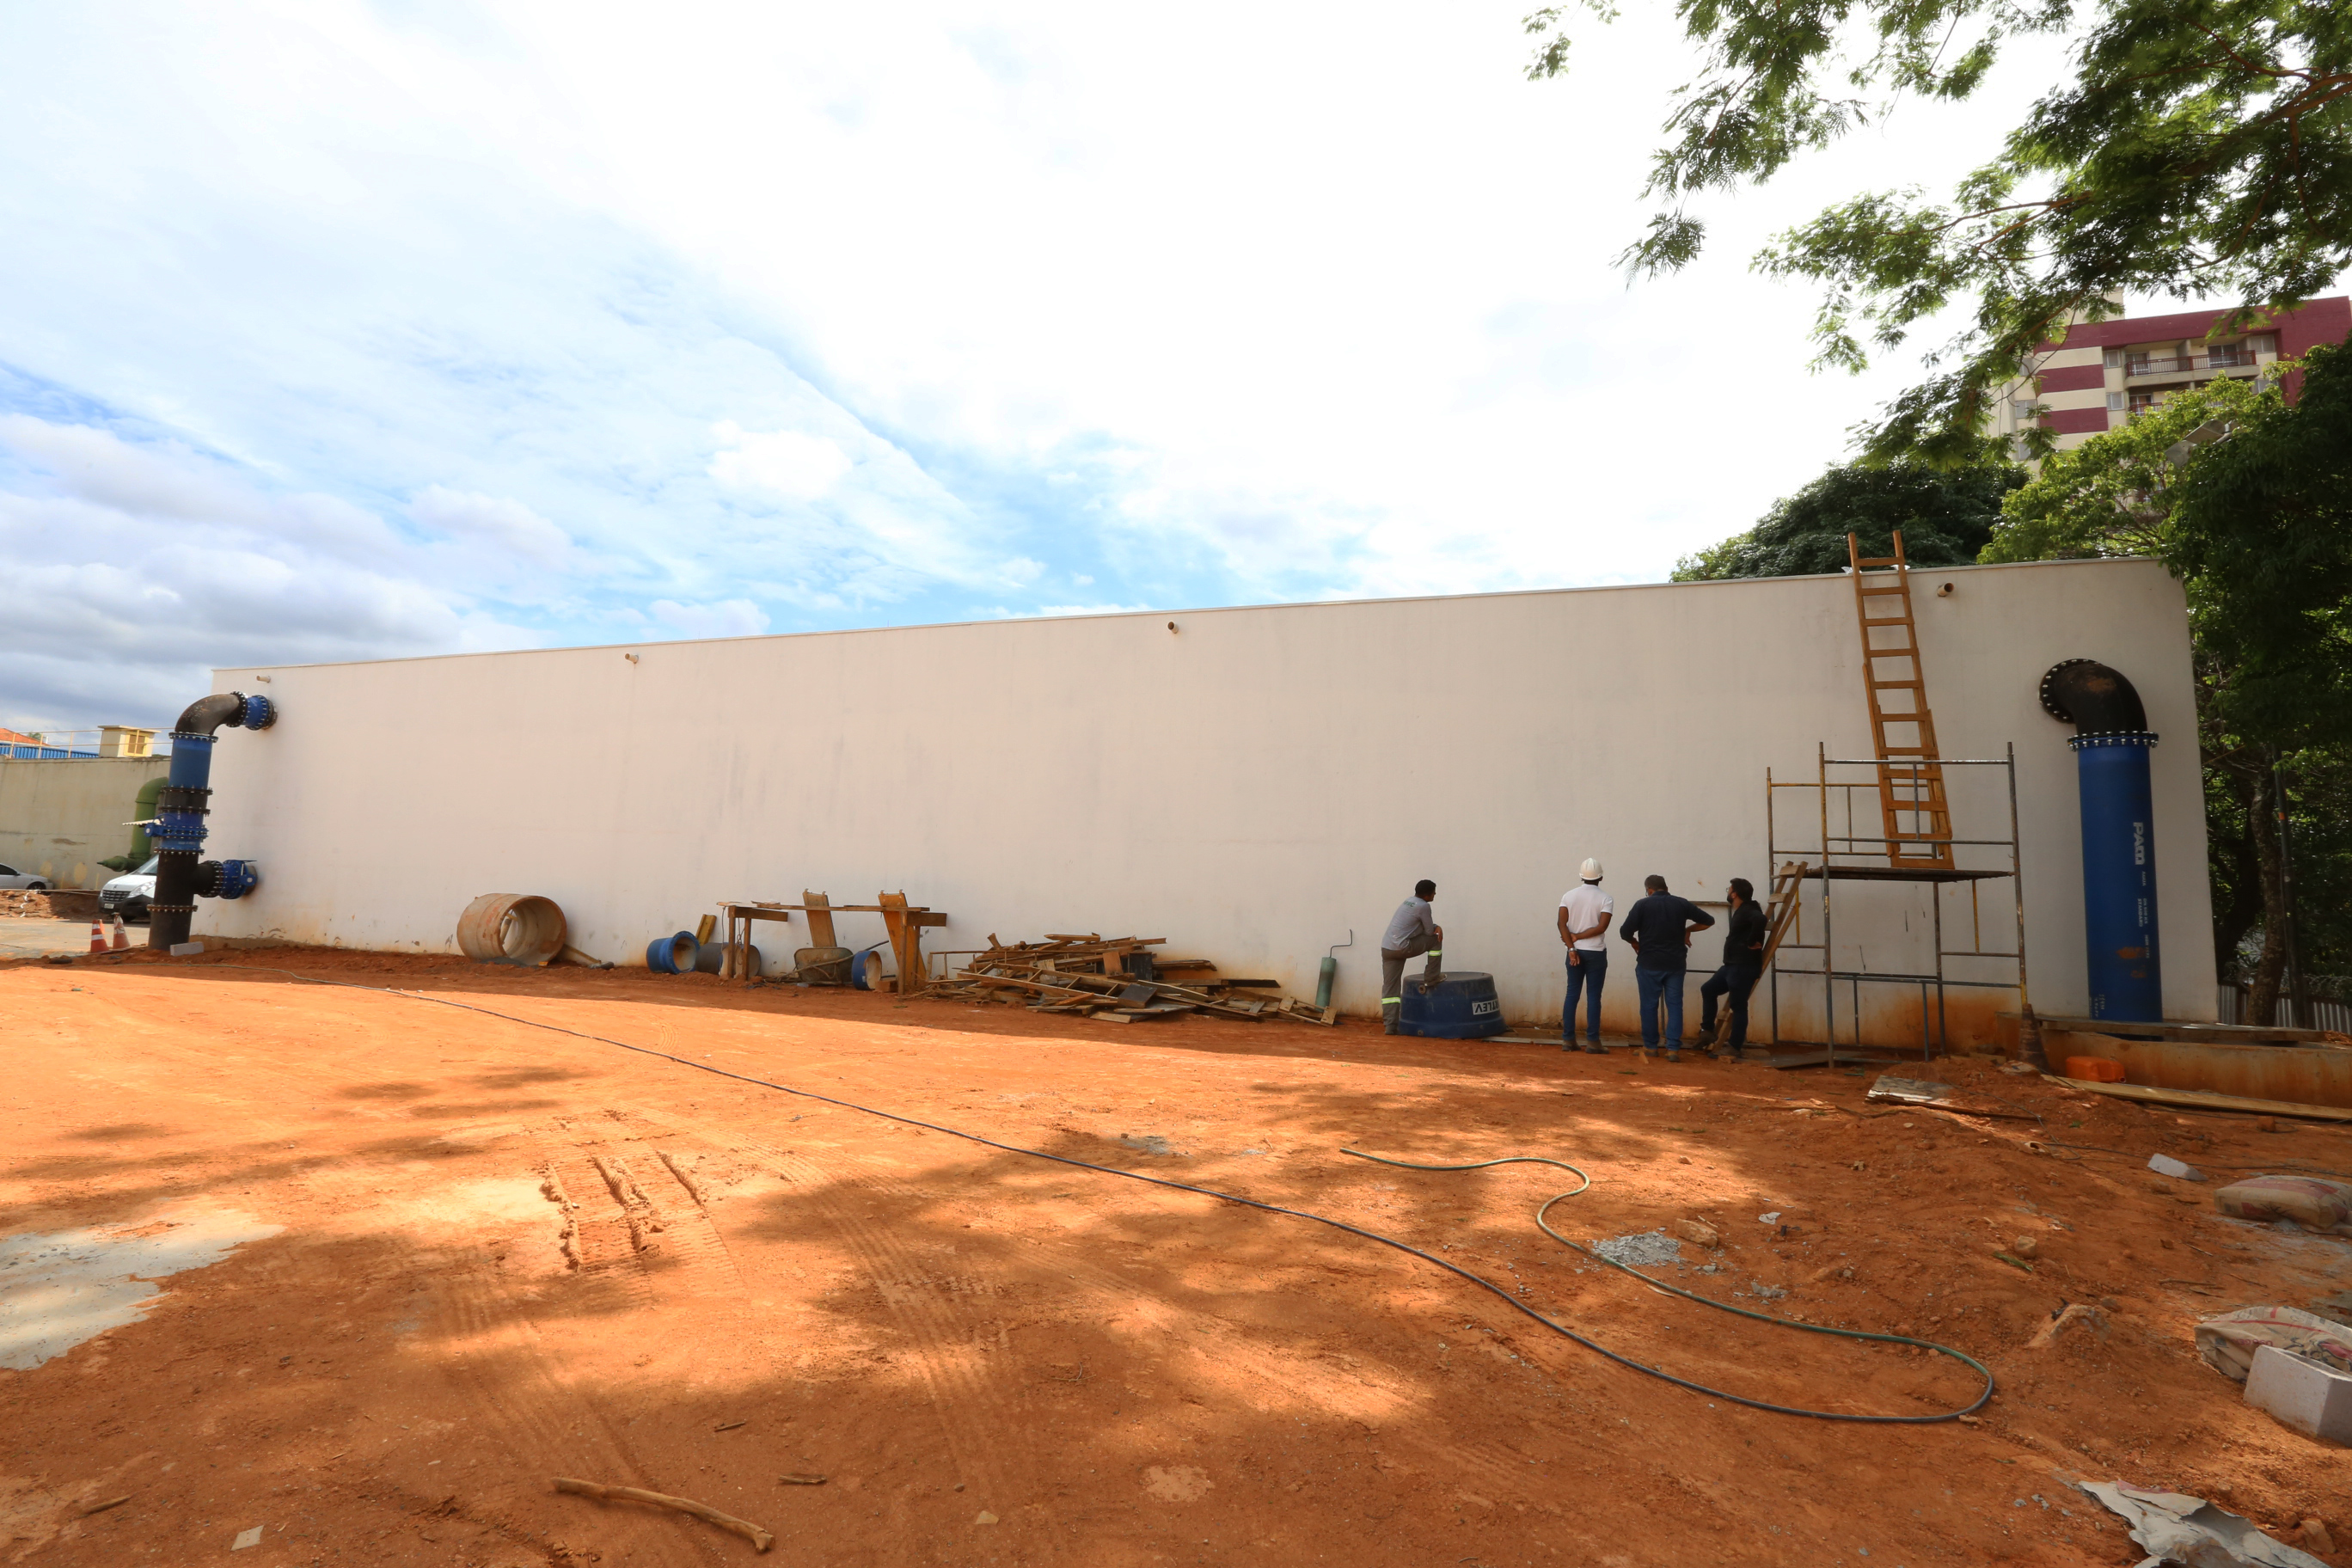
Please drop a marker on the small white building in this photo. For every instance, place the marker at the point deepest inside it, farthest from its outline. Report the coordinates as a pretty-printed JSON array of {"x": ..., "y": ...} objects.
[{"x": 1254, "y": 784}]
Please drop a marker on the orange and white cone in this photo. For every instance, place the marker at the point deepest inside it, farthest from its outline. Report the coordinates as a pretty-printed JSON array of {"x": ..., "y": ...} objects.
[
  {"x": 121, "y": 937},
  {"x": 97, "y": 937}
]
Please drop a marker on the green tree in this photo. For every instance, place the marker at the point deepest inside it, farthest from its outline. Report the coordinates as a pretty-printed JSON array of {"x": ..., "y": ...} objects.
[
  {"x": 2199, "y": 148},
  {"x": 2248, "y": 499},
  {"x": 1947, "y": 518}
]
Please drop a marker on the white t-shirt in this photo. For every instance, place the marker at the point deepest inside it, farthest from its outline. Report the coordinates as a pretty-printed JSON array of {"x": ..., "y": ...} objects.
[{"x": 1588, "y": 905}]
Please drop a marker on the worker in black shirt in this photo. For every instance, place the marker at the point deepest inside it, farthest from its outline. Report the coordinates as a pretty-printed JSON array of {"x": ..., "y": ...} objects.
[
  {"x": 1659, "y": 927},
  {"x": 1743, "y": 965}
]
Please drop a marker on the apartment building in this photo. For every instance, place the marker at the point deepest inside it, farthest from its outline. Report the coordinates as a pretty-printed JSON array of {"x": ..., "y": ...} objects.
[{"x": 2103, "y": 373}]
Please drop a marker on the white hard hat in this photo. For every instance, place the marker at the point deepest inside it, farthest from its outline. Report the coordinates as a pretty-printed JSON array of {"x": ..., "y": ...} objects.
[{"x": 1591, "y": 871}]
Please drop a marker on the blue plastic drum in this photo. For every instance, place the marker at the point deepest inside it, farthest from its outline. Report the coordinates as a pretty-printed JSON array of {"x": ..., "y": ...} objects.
[{"x": 1462, "y": 1008}]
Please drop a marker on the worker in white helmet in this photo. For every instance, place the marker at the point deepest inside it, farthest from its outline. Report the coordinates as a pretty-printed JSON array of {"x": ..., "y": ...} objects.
[{"x": 1585, "y": 912}]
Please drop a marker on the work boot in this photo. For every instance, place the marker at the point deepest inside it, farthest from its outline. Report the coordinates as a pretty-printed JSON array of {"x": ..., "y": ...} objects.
[
  {"x": 1390, "y": 1029},
  {"x": 1674, "y": 1055},
  {"x": 1597, "y": 1050}
]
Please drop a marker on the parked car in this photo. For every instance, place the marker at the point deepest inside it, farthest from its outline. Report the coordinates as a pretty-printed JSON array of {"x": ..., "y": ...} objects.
[
  {"x": 128, "y": 894},
  {"x": 12, "y": 877}
]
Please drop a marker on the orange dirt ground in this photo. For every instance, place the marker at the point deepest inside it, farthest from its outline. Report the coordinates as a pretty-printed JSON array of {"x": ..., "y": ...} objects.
[{"x": 508, "y": 1254}]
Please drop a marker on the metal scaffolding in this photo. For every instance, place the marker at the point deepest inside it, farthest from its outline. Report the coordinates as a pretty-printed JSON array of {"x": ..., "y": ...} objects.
[{"x": 1840, "y": 856}]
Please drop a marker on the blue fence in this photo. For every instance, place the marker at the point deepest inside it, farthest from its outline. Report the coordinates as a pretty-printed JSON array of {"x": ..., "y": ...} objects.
[{"x": 42, "y": 753}]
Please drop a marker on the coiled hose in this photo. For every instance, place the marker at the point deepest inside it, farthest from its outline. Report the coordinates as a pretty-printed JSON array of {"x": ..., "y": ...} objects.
[{"x": 1389, "y": 1241}]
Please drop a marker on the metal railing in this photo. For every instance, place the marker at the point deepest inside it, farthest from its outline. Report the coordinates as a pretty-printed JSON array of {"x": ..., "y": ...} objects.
[
  {"x": 2180, "y": 364},
  {"x": 2324, "y": 1013}
]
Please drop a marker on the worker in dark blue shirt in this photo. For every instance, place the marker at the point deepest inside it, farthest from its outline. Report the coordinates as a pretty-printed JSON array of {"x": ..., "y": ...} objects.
[{"x": 1659, "y": 927}]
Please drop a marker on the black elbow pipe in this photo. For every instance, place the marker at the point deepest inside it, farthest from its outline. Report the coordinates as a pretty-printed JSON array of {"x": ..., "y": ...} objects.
[
  {"x": 2096, "y": 700},
  {"x": 178, "y": 836},
  {"x": 2124, "y": 965}
]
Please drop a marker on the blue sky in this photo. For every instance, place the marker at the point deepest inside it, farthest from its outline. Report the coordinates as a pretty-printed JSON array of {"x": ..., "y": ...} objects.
[{"x": 336, "y": 330}]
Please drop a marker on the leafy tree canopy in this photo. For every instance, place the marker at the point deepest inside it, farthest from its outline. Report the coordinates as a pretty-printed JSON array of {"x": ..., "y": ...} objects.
[
  {"x": 2200, "y": 148},
  {"x": 1946, "y": 517},
  {"x": 2248, "y": 500}
]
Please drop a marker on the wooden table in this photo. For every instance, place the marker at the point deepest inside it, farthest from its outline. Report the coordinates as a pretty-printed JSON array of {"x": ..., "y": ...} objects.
[{"x": 903, "y": 921}]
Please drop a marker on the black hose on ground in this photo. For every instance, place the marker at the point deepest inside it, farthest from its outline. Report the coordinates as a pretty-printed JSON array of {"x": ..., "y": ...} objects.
[{"x": 1389, "y": 1241}]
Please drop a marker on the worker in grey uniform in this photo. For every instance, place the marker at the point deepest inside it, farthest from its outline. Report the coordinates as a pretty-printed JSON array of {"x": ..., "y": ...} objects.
[{"x": 1413, "y": 932}]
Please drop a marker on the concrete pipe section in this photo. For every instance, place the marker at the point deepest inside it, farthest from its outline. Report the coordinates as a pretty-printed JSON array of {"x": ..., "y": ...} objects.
[
  {"x": 711, "y": 958},
  {"x": 522, "y": 929}
]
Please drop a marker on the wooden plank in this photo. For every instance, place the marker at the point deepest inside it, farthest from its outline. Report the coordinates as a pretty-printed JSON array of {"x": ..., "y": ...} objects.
[
  {"x": 906, "y": 941},
  {"x": 2200, "y": 1100},
  {"x": 2218, "y": 1034},
  {"x": 2289, "y": 1073},
  {"x": 820, "y": 919}
]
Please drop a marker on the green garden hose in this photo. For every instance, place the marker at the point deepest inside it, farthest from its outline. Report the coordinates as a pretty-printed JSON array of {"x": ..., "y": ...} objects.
[{"x": 1978, "y": 1366}]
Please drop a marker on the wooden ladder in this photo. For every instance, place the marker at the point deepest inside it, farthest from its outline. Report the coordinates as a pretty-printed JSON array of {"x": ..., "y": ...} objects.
[
  {"x": 1918, "y": 817},
  {"x": 1780, "y": 915}
]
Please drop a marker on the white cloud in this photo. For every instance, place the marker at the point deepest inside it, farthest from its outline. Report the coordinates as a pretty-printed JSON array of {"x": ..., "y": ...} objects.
[
  {"x": 338, "y": 328},
  {"x": 136, "y": 570},
  {"x": 500, "y": 524},
  {"x": 726, "y": 618},
  {"x": 795, "y": 466}
]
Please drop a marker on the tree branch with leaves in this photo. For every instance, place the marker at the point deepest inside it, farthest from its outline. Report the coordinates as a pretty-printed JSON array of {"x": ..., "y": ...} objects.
[{"x": 2202, "y": 148}]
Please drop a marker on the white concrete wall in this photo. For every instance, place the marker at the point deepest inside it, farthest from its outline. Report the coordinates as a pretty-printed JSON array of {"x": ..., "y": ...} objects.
[
  {"x": 1251, "y": 786},
  {"x": 60, "y": 816}
]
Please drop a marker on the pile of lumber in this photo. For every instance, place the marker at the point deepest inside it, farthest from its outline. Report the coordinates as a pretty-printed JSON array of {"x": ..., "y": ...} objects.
[{"x": 1117, "y": 980}]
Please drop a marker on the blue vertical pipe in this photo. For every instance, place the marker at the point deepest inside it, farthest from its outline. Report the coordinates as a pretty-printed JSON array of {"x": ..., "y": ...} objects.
[
  {"x": 182, "y": 806},
  {"x": 2119, "y": 917}
]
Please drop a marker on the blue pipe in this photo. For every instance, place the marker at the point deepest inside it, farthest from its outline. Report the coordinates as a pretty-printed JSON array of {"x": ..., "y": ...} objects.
[
  {"x": 178, "y": 835},
  {"x": 2122, "y": 956},
  {"x": 2119, "y": 924}
]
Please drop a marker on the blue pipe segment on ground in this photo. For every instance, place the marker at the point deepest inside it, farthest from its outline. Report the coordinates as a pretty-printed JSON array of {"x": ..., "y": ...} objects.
[
  {"x": 2120, "y": 915},
  {"x": 672, "y": 954}
]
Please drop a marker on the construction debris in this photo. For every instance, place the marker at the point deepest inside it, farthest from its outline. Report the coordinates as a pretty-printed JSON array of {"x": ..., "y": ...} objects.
[
  {"x": 2171, "y": 1526},
  {"x": 1114, "y": 980}
]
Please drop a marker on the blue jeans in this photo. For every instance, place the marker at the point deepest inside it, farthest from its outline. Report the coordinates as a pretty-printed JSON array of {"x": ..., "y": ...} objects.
[
  {"x": 1661, "y": 986},
  {"x": 1587, "y": 974}
]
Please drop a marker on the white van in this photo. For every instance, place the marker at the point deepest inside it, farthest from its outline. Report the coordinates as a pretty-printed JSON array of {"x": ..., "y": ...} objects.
[{"x": 129, "y": 894}]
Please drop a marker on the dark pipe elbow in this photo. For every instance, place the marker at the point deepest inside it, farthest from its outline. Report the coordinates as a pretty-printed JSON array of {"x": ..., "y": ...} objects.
[
  {"x": 2096, "y": 700},
  {"x": 206, "y": 714}
]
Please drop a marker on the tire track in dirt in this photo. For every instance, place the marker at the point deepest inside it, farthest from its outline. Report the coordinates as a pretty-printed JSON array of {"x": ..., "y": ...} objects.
[
  {"x": 637, "y": 1236},
  {"x": 941, "y": 1343},
  {"x": 501, "y": 1367}
]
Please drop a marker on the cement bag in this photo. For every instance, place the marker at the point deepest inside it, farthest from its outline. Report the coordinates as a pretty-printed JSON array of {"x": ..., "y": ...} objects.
[
  {"x": 2229, "y": 1343},
  {"x": 2309, "y": 1202}
]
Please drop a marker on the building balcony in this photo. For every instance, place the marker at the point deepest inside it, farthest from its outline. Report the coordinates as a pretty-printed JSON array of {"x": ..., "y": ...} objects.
[{"x": 2181, "y": 365}]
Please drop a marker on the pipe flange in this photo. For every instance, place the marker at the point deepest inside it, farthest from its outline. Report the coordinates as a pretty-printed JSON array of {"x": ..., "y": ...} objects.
[
  {"x": 2048, "y": 691},
  {"x": 171, "y": 909},
  {"x": 258, "y": 713}
]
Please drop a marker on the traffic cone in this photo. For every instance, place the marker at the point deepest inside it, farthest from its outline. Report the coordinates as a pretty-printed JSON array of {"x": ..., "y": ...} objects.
[
  {"x": 121, "y": 937},
  {"x": 97, "y": 937}
]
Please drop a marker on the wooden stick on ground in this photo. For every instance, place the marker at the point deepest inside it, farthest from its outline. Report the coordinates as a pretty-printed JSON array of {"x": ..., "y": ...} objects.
[{"x": 745, "y": 1528}]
